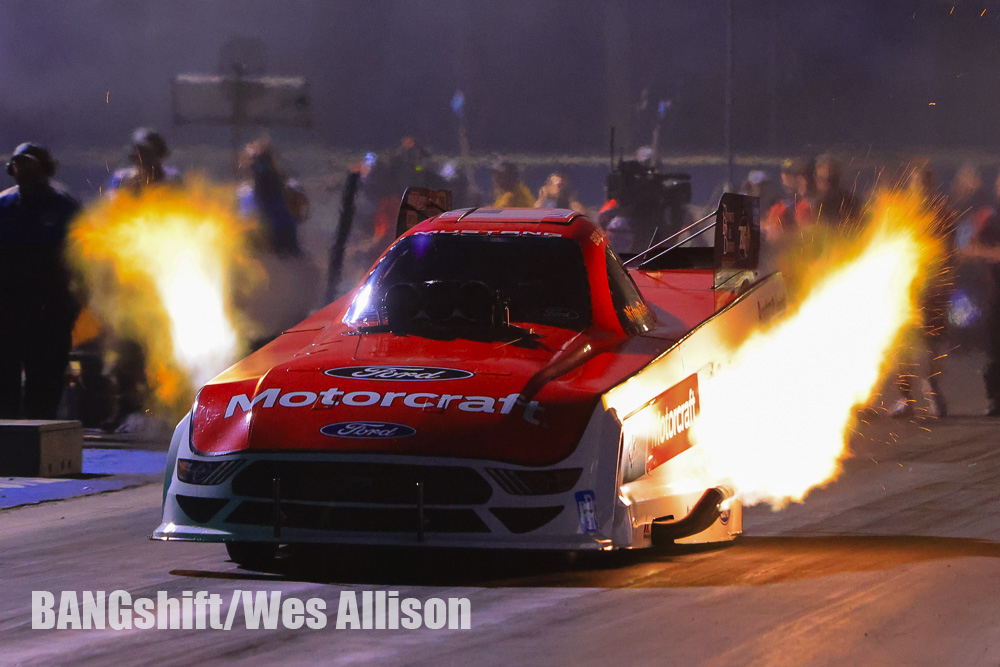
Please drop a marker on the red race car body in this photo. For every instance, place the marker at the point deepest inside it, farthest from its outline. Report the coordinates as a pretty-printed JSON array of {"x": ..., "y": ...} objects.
[{"x": 498, "y": 379}]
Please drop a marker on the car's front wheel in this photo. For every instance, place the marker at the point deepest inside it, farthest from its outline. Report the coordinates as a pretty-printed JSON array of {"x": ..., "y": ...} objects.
[{"x": 252, "y": 555}]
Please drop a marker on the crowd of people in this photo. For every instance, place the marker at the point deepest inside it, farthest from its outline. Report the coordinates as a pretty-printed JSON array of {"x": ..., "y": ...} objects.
[
  {"x": 39, "y": 307},
  {"x": 962, "y": 292},
  {"x": 43, "y": 297},
  {"x": 385, "y": 177},
  {"x": 814, "y": 195},
  {"x": 811, "y": 192}
]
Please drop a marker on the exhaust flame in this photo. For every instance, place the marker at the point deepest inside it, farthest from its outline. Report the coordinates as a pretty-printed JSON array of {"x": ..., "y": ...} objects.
[
  {"x": 160, "y": 268},
  {"x": 774, "y": 422}
]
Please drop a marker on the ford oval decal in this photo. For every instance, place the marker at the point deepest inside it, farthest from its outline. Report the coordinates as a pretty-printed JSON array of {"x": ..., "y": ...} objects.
[
  {"x": 367, "y": 430},
  {"x": 399, "y": 373}
]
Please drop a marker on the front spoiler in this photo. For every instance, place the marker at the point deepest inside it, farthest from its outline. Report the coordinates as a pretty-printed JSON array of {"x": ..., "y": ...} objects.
[
  {"x": 168, "y": 532},
  {"x": 607, "y": 524}
]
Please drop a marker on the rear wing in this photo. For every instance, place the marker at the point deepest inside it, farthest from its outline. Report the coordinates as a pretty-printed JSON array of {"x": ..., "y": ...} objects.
[
  {"x": 737, "y": 242},
  {"x": 419, "y": 204}
]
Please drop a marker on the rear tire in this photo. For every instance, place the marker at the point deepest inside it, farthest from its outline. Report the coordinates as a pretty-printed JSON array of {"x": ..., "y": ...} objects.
[{"x": 252, "y": 555}]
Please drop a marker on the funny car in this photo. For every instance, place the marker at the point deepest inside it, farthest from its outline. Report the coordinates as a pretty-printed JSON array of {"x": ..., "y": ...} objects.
[{"x": 498, "y": 379}]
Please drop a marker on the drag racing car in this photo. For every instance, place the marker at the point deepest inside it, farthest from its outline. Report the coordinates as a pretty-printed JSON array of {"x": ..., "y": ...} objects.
[{"x": 499, "y": 379}]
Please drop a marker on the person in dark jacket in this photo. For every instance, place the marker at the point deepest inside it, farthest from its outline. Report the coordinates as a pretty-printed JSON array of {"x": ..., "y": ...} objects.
[
  {"x": 983, "y": 250},
  {"x": 835, "y": 203},
  {"x": 146, "y": 152},
  {"x": 277, "y": 201},
  {"x": 37, "y": 305},
  {"x": 931, "y": 346}
]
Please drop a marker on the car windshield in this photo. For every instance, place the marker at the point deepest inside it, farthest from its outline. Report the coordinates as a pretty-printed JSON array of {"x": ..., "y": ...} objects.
[{"x": 455, "y": 278}]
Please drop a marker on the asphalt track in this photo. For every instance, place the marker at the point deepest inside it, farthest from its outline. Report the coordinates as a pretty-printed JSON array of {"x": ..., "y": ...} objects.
[{"x": 897, "y": 562}]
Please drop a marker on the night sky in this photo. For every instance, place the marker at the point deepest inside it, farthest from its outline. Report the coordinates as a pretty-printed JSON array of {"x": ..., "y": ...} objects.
[{"x": 539, "y": 75}]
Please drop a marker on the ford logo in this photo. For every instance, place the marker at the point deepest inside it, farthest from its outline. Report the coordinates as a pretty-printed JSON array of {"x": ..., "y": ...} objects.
[
  {"x": 561, "y": 313},
  {"x": 398, "y": 373},
  {"x": 367, "y": 430}
]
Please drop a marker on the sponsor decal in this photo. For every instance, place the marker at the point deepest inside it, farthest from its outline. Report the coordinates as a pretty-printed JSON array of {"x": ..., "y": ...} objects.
[
  {"x": 661, "y": 430},
  {"x": 368, "y": 430},
  {"x": 420, "y": 400},
  {"x": 398, "y": 373},
  {"x": 737, "y": 232},
  {"x": 561, "y": 313},
  {"x": 586, "y": 507},
  {"x": 775, "y": 305}
]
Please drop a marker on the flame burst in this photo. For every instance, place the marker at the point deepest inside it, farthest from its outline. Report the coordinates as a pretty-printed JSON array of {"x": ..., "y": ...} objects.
[
  {"x": 775, "y": 421},
  {"x": 159, "y": 268}
]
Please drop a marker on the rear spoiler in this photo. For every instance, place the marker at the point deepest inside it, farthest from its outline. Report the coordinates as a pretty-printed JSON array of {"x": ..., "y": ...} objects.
[
  {"x": 737, "y": 242},
  {"x": 419, "y": 204}
]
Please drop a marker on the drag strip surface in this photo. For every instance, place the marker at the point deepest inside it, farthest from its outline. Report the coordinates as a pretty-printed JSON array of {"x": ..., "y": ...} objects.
[{"x": 898, "y": 562}]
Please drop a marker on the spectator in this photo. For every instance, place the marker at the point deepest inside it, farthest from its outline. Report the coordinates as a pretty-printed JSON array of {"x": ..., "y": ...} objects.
[
  {"x": 967, "y": 194},
  {"x": 797, "y": 209},
  {"x": 278, "y": 202},
  {"x": 415, "y": 166},
  {"x": 970, "y": 298},
  {"x": 508, "y": 190},
  {"x": 984, "y": 246},
  {"x": 835, "y": 203},
  {"x": 384, "y": 179},
  {"x": 147, "y": 153},
  {"x": 387, "y": 178},
  {"x": 929, "y": 349},
  {"x": 37, "y": 306},
  {"x": 558, "y": 193},
  {"x": 464, "y": 194},
  {"x": 758, "y": 184}
]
